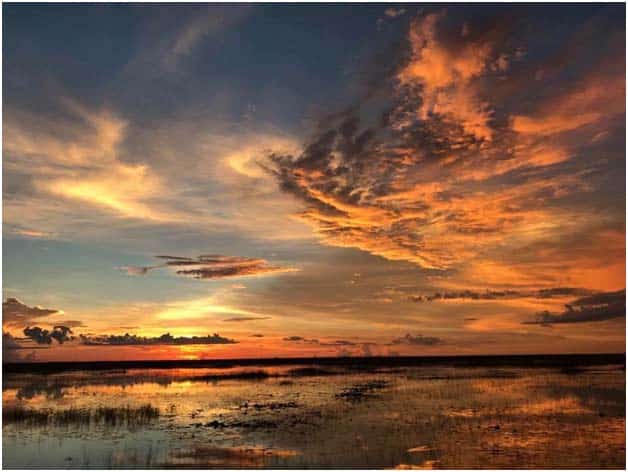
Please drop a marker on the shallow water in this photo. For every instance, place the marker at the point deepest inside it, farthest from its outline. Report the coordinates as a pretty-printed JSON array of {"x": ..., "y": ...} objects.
[{"x": 312, "y": 416}]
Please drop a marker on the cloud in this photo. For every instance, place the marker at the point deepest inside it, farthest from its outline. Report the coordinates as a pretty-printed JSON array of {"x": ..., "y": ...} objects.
[
  {"x": 72, "y": 323},
  {"x": 9, "y": 342},
  {"x": 446, "y": 76},
  {"x": 39, "y": 335},
  {"x": 418, "y": 340},
  {"x": 17, "y": 314},
  {"x": 75, "y": 158},
  {"x": 247, "y": 318},
  {"x": 164, "y": 339},
  {"x": 441, "y": 175},
  {"x": 138, "y": 270},
  {"x": 501, "y": 294},
  {"x": 30, "y": 233},
  {"x": 593, "y": 98},
  {"x": 204, "y": 24},
  {"x": 230, "y": 271},
  {"x": 394, "y": 12},
  {"x": 189, "y": 36},
  {"x": 81, "y": 172},
  {"x": 212, "y": 266},
  {"x": 13, "y": 351},
  {"x": 597, "y": 307},
  {"x": 331, "y": 343}
]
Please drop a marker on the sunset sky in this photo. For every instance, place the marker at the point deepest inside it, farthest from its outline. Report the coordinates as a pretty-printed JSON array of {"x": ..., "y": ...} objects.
[{"x": 319, "y": 180}]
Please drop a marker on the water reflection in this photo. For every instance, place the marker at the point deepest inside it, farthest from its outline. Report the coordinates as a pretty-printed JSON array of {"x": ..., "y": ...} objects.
[{"x": 313, "y": 416}]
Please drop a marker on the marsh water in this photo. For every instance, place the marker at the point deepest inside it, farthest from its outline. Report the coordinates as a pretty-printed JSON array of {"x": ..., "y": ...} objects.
[{"x": 317, "y": 416}]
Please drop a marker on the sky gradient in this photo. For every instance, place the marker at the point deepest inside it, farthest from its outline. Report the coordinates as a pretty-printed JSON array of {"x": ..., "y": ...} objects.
[{"x": 272, "y": 180}]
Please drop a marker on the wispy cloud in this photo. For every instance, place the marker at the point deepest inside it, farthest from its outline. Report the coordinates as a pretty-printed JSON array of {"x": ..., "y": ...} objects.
[
  {"x": 213, "y": 266},
  {"x": 17, "y": 314},
  {"x": 327, "y": 343},
  {"x": 394, "y": 12},
  {"x": 597, "y": 307},
  {"x": 501, "y": 294},
  {"x": 417, "y": 340},
  {"x": 206, "y": 23},
  {"x": 77, "y": 159}
]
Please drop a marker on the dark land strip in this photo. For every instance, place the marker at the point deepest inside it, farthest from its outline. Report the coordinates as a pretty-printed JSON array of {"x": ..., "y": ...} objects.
[{"x": 565, "y": 361}]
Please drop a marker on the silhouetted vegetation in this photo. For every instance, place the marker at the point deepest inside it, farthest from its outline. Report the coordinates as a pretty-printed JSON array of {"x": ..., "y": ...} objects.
[
  {"x": 127, "y": 415},
  {"x": 363, "y": 391},
  {"x": 514, "y": 360}
]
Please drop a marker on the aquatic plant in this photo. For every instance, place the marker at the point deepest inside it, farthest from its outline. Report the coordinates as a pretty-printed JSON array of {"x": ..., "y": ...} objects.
[{"x": 111, "y": 416}]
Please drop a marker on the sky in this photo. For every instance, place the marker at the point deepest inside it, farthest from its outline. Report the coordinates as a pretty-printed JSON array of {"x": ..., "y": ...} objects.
[{"x": 226, "y": 181}]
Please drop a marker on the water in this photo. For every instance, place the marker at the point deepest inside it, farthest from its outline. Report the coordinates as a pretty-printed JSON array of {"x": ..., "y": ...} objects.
[{"x": 315, "y": 416}]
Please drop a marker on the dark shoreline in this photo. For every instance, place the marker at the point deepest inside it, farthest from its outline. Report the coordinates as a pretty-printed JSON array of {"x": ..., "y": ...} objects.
[{"x": 520, "y": 360}]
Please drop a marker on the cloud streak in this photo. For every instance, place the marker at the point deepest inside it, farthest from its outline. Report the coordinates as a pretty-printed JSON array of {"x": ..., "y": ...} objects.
[
  {"x": 417, "y": 340},
  {"x": 246, "y": 318},
  {"x": 500, "y": 294},
  {"x": 597, "y": 307},
  {"x": 163, "y": 340},
  {"x": 17, "y": 314},
  {"x": 213, "y": 266}
]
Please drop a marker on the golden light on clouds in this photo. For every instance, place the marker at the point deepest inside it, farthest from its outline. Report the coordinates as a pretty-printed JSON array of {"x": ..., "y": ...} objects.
[{"x": 459, "y": 152}]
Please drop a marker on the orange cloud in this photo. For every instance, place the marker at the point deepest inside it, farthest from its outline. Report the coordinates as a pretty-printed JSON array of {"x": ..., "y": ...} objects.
[
  {"x": 446, "y": 76},
  {"x": 445, "y": 186},
  {"x": 596, "y": 97}
]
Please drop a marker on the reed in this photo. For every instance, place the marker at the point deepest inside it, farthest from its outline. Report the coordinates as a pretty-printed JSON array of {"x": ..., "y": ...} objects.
[{"x": 111, "y": 416}]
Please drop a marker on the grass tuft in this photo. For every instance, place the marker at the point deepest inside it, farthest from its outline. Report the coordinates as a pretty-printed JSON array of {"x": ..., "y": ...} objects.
[{"x": 127, "y": 415}]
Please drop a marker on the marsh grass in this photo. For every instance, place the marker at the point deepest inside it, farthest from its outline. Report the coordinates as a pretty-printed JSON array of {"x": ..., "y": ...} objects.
[{"x": 110, "y": 416}]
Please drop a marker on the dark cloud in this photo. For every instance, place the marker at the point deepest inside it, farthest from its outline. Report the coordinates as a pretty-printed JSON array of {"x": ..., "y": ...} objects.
[
  {"x": 562, "y": 292},
  {"x": 9, "y": 343},
  {"x": 597, "y": 307},
  {"x": 138, "y": 270},
  {"x": 501, "y": 294},
  {"x": 342, "y": 342},
  {"x": 257, "y": 335},
  {"x": 39, "y": 335},
  {"x": 211, "y": 266},
  {"x": 207, "y": 273},
  {"x": 247, "y": 318},
  {"x": 13, "y": 351},
  {"x": 335, "y": 343},
  {"x": 174, "y": 258},
  {"x": 418, "y": 340},
  {"x": 15, "y": 313},
  {"x": 164, "y": 339},
  {"x": 73, "y": 323}
]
